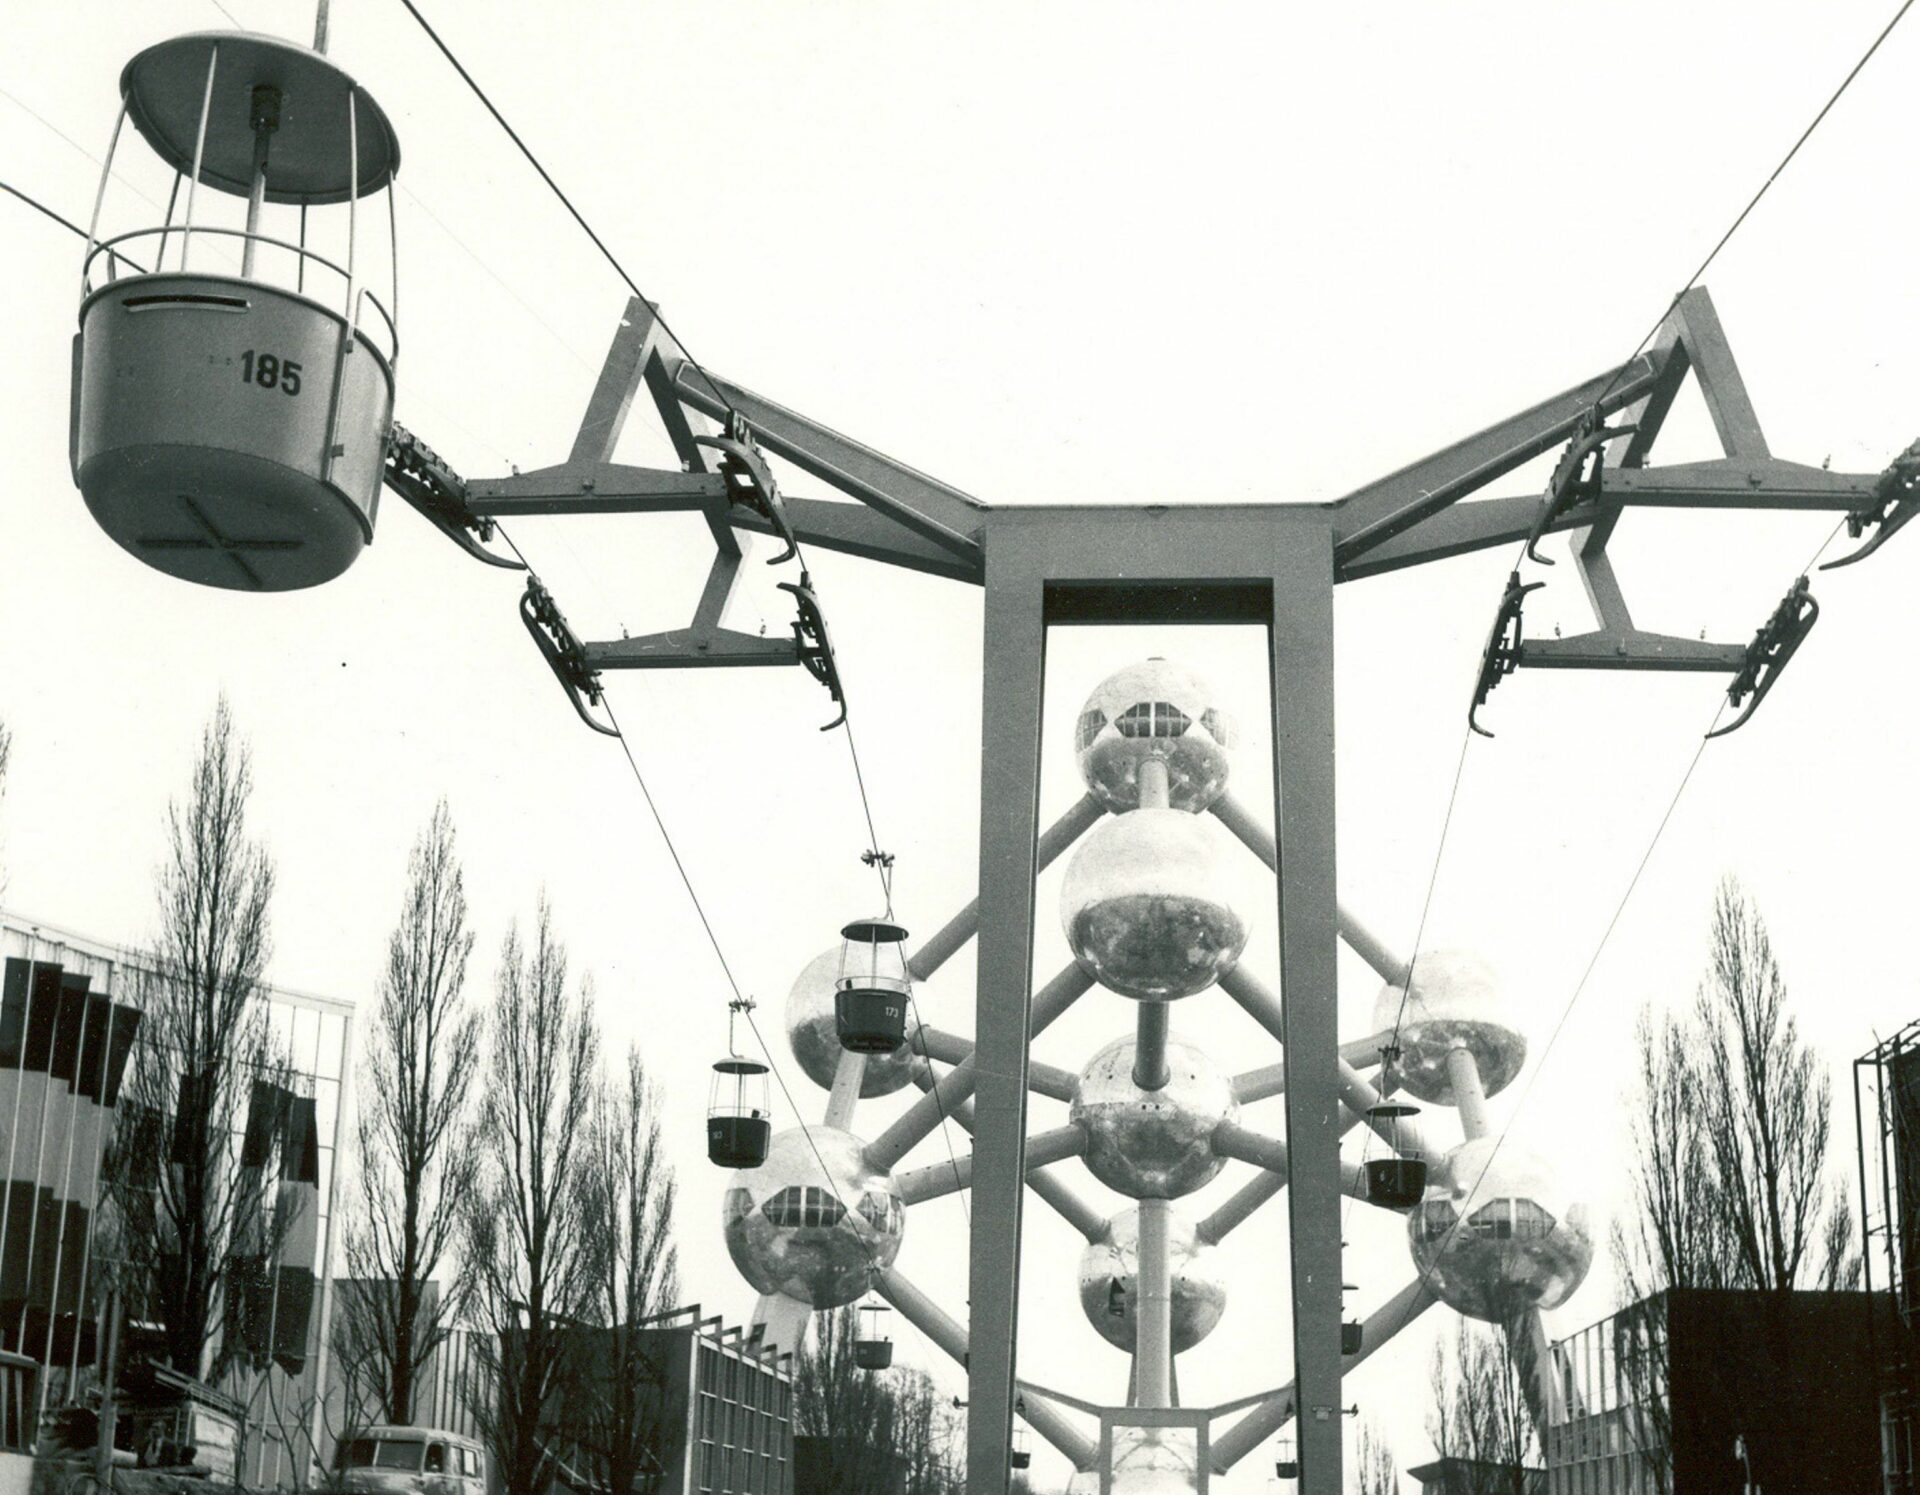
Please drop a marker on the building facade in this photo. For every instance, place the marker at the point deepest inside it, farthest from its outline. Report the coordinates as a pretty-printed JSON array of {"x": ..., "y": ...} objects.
[
  {"x": 717, "y": 1418},
  {"x": 723, "y": 1416},
  {"x": 82, "y": 1094},
  {"x": 1695, "y": 1390}
]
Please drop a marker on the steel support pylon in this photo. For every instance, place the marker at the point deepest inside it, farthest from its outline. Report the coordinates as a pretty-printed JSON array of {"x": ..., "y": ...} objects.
[{"x": 1267, "y": 566}]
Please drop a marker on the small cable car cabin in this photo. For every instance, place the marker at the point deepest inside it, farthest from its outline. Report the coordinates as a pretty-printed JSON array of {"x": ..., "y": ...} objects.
[
  {"x": 233, "y": 387},
  {"x": 871, "y": 994},
  {"x": 739, "y": 1124},
  {"x": 1398, "y": 1182},
  {"x": 873, "y": 1343},
  {"x": 1021, "y": 1452}
]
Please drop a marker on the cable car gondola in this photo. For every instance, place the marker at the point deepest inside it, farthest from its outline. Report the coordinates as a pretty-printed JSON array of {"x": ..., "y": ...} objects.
[
  {"x": 738, "y": 1123},
  {"x": 870, "y": 998},
  {"x": 873, "y": 1342},
  {"x": 1399, "y": 1181},
  {"x": 233, "y": 387}
]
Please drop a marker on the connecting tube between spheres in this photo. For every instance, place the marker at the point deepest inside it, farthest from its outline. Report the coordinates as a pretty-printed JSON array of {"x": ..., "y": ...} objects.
[
  {"x": 1150, "y": 1070},
  {"x": 1463, "y": 1071},
  {"x": 1153, "y": 1341},
  {"x": 1156, "y": 787}
]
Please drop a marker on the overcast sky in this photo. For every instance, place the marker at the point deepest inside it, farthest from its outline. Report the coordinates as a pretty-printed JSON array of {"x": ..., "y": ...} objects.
[{"x": 1117, "y": 253}]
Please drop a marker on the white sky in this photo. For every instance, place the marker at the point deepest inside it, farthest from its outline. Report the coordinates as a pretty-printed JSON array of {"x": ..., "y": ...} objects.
[{"x": 1045, "y": 252}]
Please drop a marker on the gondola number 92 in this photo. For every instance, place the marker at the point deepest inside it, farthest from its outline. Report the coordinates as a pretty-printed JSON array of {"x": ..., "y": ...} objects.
[{"x": 269, "y": 372}]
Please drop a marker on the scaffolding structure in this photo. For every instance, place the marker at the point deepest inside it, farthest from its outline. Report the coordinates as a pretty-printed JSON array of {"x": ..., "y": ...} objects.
[{"x": 1886, "y": 1118}]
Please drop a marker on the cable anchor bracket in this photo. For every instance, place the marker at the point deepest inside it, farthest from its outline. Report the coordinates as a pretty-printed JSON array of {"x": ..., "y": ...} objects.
[
  {"x": 422, "y": 477},
  {"x": 1577, "y": 477},
  {"x": 1896, "y": 499},
  {"x": 813, "y": 643},
  {"x": 1775, "y": 643},
  {"x": 560, "y": 646},
  {"x": 1502, "y": 654},
  {"x": 750, "y": 480}
]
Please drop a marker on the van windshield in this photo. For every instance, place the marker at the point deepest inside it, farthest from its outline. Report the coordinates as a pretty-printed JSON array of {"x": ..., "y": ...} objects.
[{"x": 383, "y": 1453}]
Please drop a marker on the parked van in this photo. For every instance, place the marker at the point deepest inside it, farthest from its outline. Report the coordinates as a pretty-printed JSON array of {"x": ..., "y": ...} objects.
[{"x": 409, "y": 1461}]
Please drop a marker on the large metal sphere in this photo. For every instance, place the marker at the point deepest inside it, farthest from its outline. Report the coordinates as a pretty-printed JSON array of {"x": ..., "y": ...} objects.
[
  {"x": 1153, "y": 1144},
  {"x": 1154, "y": 709},
  {"x": 1456, "y": 1000},
  {"x": 1109, "y": 1270},
  {"x": 1500, "y": 1233},
  {"x": 1148, "y": 905},
  {"x": 816, "y": 1043},
  {"x": 816, "y": 1236}
]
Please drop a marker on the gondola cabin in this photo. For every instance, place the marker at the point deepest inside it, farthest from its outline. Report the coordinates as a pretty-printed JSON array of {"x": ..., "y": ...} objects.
[
  {"x": 1398, "y": 1181},
  {"x": 873, "y": 989},
  {"x": 873, "y": 1341},
  {"x": 233, "y": 384},
  {"x": 739, "y": 1123}
]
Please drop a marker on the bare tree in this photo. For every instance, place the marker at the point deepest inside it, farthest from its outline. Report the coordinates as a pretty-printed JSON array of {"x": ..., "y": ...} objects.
[
  {"x": 1675, "y": 1231},
  {"x": 620, "y": 1408},
  {"x": 1480, "y": 1413},
  {"x": 931, "y": 1436},
  {"x": 882, "y": 1431},
  {"x": 525, "y": 1225},
  {"x": 201, "y": 1047},
  {"x": 1731, "y": 1124},
  {"x": 1374, "y": 1471},
  {"x": 1769, "y": 1115},
  {"x": 416, "y": 1159},
  {"x": 847, "y": 1407}
]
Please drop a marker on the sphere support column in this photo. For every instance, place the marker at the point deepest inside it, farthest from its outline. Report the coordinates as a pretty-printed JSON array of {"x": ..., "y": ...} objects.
[
  {"x": 1153, "y": 1361},
  {"x": 1468, "y": 1093}
]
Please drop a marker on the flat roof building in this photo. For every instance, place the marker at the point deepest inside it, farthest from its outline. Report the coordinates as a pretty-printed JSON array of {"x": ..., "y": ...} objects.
[{"x": 1698, "y": 1390}]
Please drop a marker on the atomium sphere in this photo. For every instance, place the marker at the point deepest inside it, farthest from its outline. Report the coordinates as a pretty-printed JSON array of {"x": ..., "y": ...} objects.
[
  {"x": 816, "y": 1042},
  {"x": 1109, "y": 1268},
  {"x": 1499, "y": 1233},
  {"x": 1456, "y": 1001},
  {"x": 1153, "y": 1144},
  {"x": 789, "y": 1232},
  {"x": 1148, "y": 905},
  {"x": 1154, "y": 709}
]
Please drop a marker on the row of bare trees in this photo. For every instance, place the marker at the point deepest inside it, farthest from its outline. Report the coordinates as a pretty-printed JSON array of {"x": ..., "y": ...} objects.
[
  {"x": 505, "y": 1184},
  {"x": 512, "y": 1184}
]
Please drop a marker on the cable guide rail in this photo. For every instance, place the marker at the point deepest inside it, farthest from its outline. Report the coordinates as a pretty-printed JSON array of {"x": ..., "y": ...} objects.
[
  {"x": 417, "y": 473},
  {"x": 1502, "y": 655},
  {"x": 750, "y": 481},
  {"x": 1776, "y": 642},
  {"x": 1896, "y": 499},
  {"x": 1576, "y": 477},
  {"x": 565, "y": 655}
]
